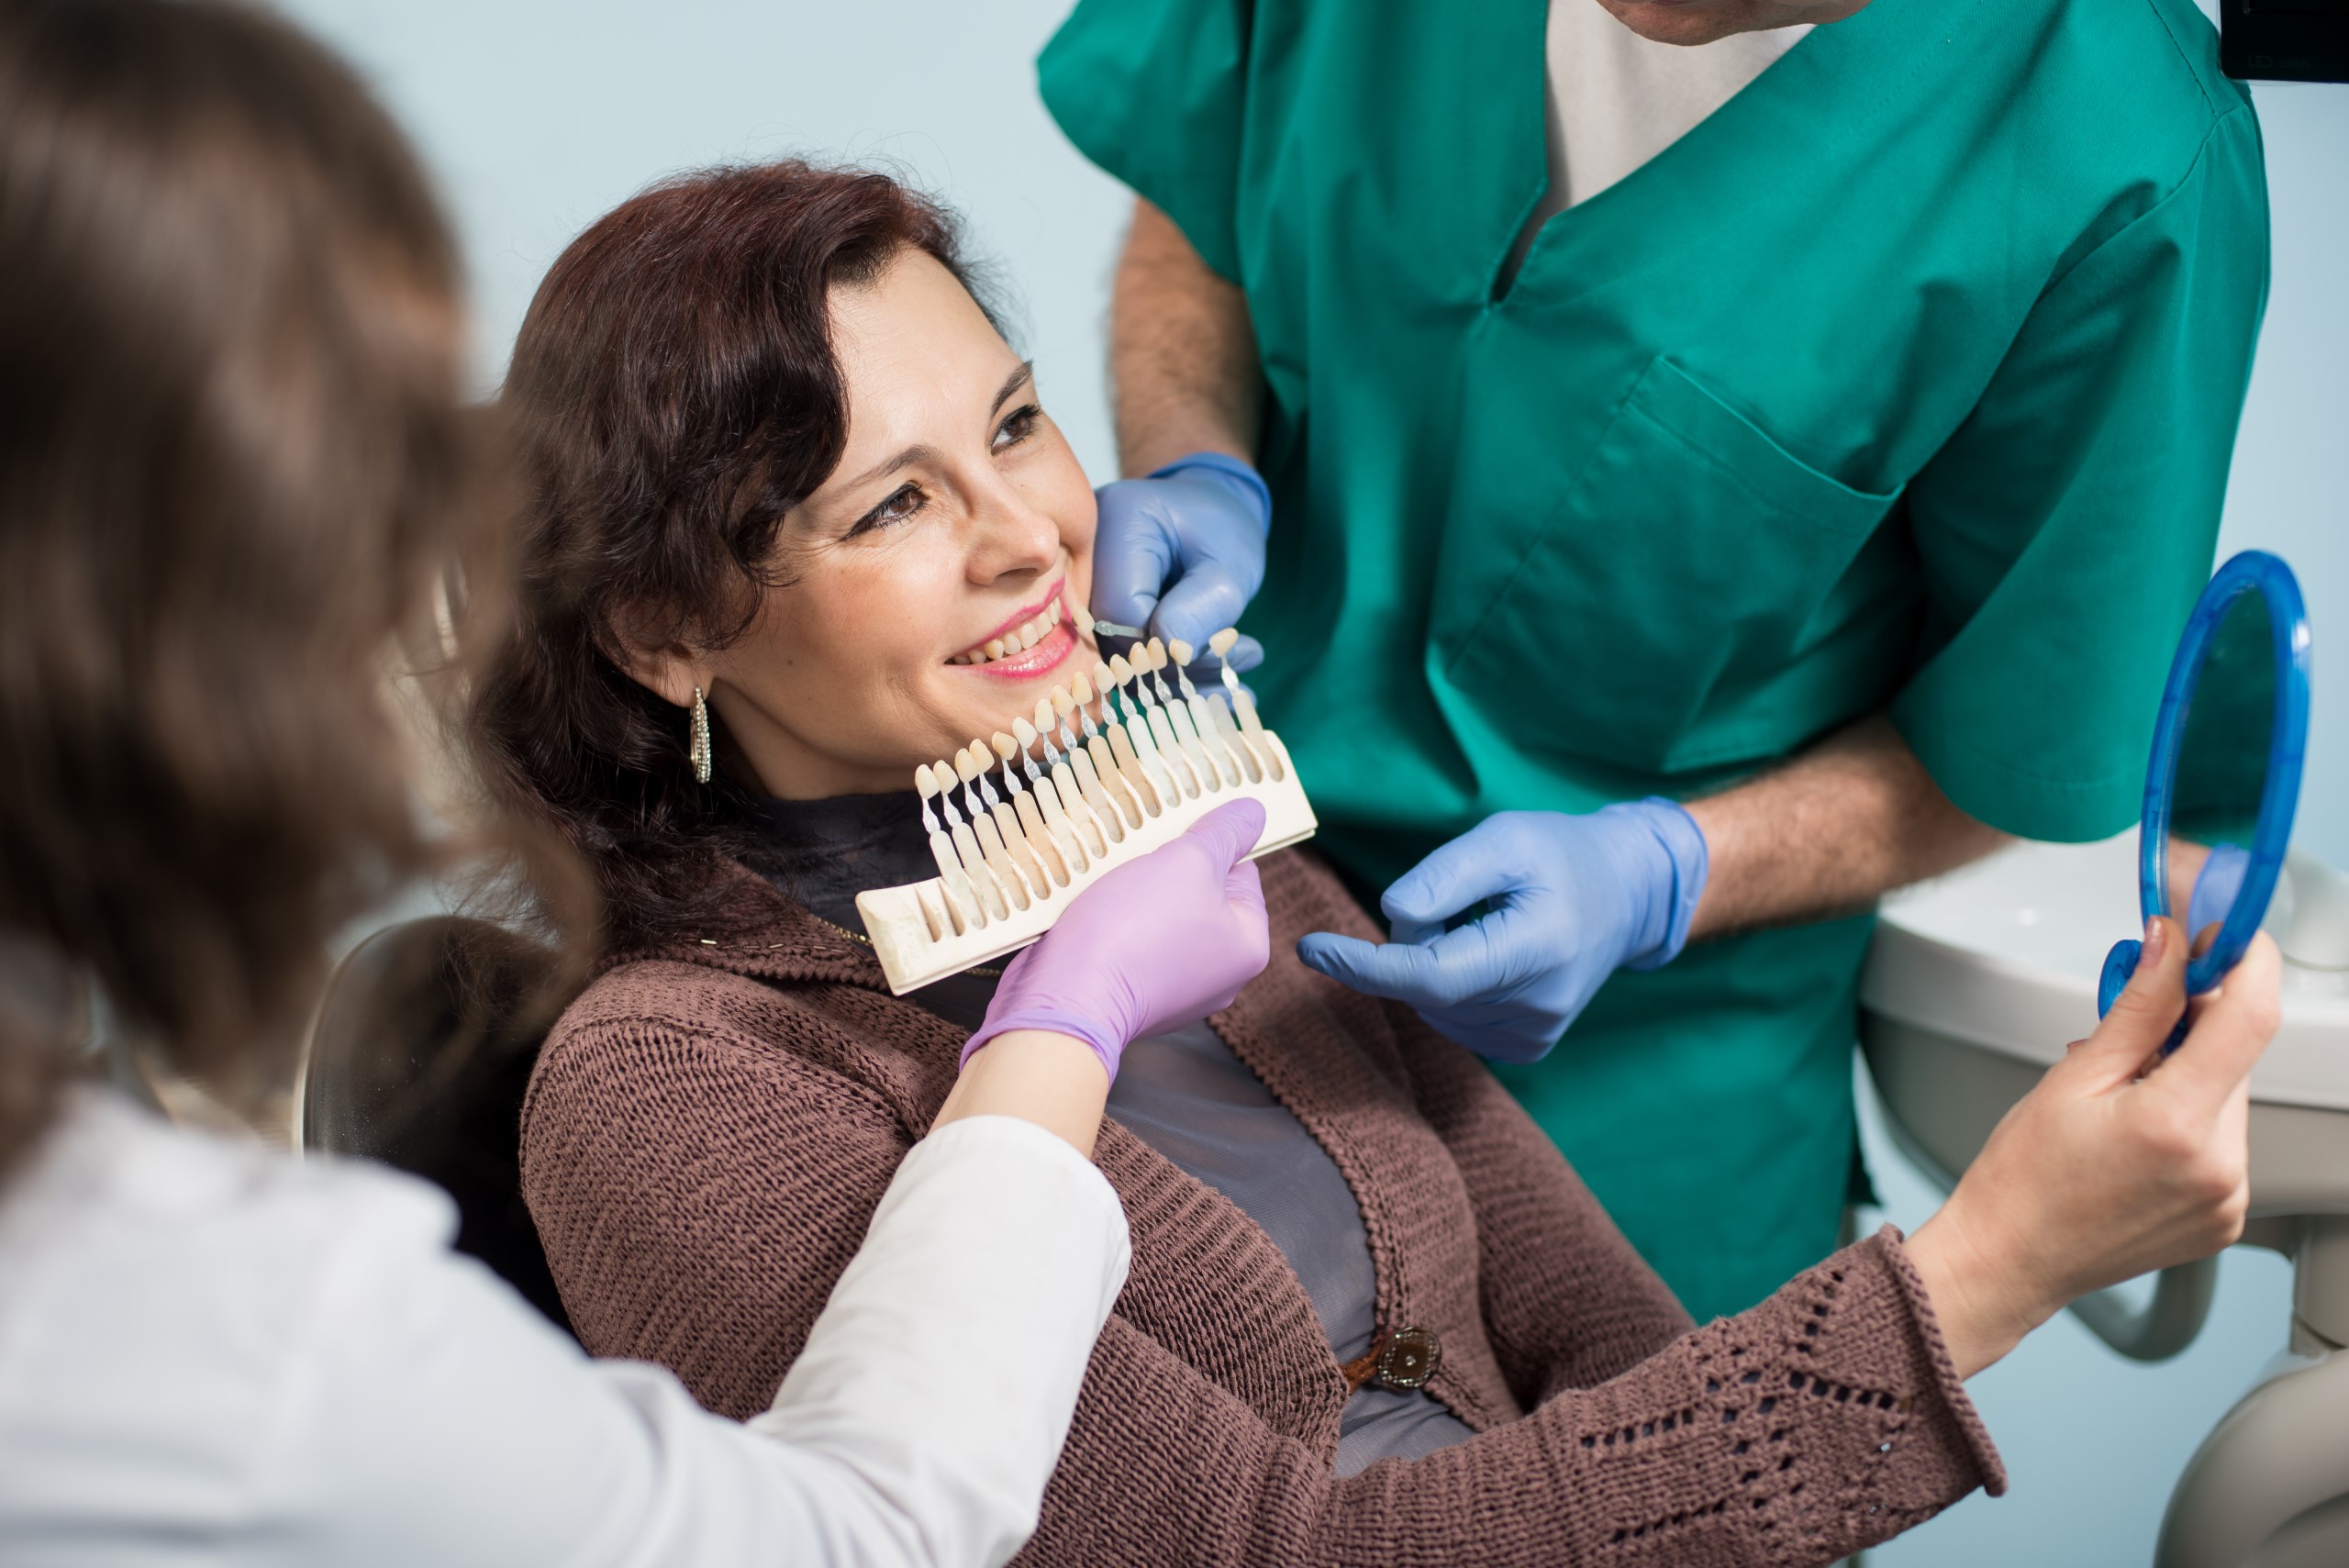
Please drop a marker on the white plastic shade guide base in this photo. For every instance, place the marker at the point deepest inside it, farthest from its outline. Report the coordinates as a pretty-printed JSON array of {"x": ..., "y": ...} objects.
[{"x": 922, "y": 933}]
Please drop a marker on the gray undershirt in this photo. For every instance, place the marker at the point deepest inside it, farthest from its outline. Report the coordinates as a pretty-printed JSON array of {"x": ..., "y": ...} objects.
[{"x": 1184, "y": 1093}]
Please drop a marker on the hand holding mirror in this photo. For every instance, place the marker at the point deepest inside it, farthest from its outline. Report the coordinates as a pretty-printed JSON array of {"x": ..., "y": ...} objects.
[{"x": 2224, "y": 776}]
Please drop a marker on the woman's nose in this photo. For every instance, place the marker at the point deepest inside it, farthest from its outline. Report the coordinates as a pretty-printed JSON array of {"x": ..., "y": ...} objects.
[{"x": 1010, "y": 533}]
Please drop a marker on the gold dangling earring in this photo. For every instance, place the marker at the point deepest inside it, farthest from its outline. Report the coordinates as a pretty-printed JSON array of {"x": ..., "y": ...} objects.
[{"x": 700, "y": 752}]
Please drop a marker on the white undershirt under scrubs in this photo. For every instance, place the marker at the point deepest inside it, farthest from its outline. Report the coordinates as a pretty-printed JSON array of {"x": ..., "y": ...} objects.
[
  {"x": 1616, "y": 99},
  {"x": 213, "y": 1355}
]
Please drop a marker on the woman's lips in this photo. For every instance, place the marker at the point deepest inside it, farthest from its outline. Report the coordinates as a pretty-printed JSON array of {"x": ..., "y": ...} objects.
[
  {"x": 1041, "y": 657},
  {"x": 1019, "y": 636}
]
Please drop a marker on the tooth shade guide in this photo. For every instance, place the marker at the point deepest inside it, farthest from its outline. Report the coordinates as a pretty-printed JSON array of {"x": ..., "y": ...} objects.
[
  {"x": 1061, "y": 826},
  {"x": 943, "y": 780},
  {"x": 1062, "y": 706},
  {"x": 1065, "y": 816},
  {"x": 982, "y": 765},
  {"x": 1111, "y": 763},
  {"x": 1011, "y": 837},
  {"x": 1029, "y": 831},
  {"x": 1140, "y": 748},
  {"x": 1130, "y": 748},
  {"x": 907, "y": 924},
  {"x": 1012, "y": 824},
  {"x": 1129, "y": 793},
  {"x": 935, "y": 915},
  {"x": 1183, "y": 737},
  {"x": 1253, "y": 728},
  {"x": 1211, "y": 724},
  {"x": 1008, "y": 749},
  {"x": 1137, "y": 780},
  {"x": 1195, "y": 716},
  {"x": 1214, "y": 770},
  {"x": 1251, "y": 760},
  {"x": 998, "y": 856},
  {"x": 1169, "y": 751},
  {"x": 981, "y": 875},
  {"x": 1096, "y": 824},
  {"x": 1154, "y": 738},
  {"x": 1036, "y": 840}
]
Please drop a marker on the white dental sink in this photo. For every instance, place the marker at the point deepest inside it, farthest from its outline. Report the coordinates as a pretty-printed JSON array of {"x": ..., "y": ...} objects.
[
  {"x": 2004, "y": 955},
  {"x": 1978, "y": 981}
]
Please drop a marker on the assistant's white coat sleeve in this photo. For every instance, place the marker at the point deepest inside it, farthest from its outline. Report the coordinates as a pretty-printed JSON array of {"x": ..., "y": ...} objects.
[
  {"x": 443, "y": 1421},
  {"x": 942, "y": 1373}
]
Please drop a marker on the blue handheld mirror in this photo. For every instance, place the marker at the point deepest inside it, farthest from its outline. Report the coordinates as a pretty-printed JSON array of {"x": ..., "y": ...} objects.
[{"x": 2224, "y": 777}]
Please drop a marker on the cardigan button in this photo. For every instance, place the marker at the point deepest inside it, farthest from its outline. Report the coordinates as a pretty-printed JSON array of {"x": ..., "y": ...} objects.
[{"x": 1411, "y": 1358}]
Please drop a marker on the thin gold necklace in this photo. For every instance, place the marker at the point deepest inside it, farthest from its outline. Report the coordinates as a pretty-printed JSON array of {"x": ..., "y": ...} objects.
[{"x": 863, "y": 941}]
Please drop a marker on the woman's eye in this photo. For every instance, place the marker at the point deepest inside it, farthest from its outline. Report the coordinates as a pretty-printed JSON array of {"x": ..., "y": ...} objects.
[
  {"x": 902, "y": 503},
  {"x": 1017, "y": 426}
]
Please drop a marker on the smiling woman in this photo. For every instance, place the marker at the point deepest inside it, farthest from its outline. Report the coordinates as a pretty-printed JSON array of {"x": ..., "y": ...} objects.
[
  {"x": 848, "y": 593},
  {"x": 930, "y": 575}
]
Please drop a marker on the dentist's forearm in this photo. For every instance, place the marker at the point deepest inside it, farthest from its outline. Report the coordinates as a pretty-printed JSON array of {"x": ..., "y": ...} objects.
[
  {"x": 1053, "y": 1080},
  {"x": 1829, "y": 833},
  {"x": 1182, "y": 352}
]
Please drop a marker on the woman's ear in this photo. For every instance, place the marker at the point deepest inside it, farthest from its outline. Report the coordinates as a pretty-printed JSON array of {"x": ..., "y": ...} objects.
[{"x": 670, "y": 671}]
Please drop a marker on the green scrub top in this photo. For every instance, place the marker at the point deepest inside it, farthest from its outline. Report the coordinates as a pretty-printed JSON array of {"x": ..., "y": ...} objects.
[{"x": 1906, "y": 382}]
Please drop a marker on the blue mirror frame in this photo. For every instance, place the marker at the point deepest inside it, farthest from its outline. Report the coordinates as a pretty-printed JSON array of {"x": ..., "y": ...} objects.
[{"x": 2253, "y": 571}]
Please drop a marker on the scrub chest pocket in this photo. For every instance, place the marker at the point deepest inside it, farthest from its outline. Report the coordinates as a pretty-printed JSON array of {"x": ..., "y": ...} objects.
[{"x": 1705, "y": 594}]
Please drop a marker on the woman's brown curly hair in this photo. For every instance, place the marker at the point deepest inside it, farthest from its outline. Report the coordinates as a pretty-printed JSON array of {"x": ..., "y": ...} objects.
[{"x": 674, "y": 393}]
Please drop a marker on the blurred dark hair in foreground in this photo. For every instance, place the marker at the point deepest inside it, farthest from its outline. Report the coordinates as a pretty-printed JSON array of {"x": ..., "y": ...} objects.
[{"x": 234, "y": 465}]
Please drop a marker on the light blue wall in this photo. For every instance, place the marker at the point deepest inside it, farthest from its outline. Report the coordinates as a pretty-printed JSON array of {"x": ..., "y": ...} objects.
[
  {"x": 2289, "y": 489},
  {"x": 538, "y": 114}
]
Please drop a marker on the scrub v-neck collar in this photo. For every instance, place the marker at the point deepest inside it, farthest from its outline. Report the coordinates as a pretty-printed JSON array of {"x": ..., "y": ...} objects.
[{"x": 1561, "y": 228}]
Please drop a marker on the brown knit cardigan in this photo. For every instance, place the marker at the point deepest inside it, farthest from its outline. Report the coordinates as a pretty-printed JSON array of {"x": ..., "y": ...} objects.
[{"x": 710, "y": 1128}]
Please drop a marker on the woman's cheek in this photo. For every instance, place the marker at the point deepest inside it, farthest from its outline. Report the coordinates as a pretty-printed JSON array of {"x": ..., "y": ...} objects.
[{"x": 1079, "y": 514}]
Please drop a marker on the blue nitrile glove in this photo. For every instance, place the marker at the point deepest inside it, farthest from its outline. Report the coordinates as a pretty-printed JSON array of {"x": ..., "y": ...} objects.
[
  {"x": 1182, "y": 552},
  {"x": 1574, "y": 899}
]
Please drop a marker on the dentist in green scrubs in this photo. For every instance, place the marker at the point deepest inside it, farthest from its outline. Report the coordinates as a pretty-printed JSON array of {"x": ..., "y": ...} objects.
[{"x": 1693, "y": 465}]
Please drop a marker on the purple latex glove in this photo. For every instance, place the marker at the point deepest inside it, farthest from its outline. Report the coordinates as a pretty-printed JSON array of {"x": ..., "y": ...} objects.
[
  {"x": 1574, "y": 899},
  {"x": 1181, "y": 552},
  {"x": 1157, "y": 943}
]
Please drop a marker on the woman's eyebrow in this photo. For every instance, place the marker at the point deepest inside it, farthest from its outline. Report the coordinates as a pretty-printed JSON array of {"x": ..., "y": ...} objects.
[
  {"x": 914, "y": 454},
  {"x": 887, "y": 466},
  {"x": 1012, "y": 384}
]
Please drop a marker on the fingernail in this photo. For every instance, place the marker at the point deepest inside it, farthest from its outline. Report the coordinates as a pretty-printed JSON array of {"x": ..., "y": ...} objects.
[{"x": 2156, "y": 936}]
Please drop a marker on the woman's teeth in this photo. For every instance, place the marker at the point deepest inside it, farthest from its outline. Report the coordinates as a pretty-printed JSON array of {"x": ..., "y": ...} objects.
[{"x": 1018, "y": 641}]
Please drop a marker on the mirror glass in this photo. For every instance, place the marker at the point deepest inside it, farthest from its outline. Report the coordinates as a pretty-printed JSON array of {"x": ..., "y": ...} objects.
[{"x": 2221, "y": 769}]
